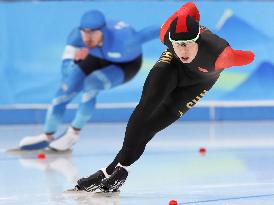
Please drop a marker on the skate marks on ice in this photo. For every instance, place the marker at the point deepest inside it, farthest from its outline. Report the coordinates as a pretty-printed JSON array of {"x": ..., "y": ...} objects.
[{"x": 92, "y": 198}]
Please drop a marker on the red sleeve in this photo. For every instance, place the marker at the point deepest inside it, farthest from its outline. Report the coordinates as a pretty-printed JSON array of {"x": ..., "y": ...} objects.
[
  {"x": 188, "y": 9},
  {"x": 230, "y": 57}
]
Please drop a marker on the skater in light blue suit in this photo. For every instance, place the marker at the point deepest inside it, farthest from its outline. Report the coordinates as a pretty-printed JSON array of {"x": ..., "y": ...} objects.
[{"x": 100, "y": 54}]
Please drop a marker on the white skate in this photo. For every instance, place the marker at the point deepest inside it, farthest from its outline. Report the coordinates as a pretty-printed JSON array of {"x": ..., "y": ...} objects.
[
  {"x": 34, "y": 142},
  {"x": 65, "y": 141}
]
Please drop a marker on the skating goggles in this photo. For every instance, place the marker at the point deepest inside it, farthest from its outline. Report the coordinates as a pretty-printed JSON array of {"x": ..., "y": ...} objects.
[{"x": 181, "y": 42}]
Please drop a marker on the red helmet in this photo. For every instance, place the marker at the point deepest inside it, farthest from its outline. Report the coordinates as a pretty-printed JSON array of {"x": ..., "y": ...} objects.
[{"x": 184, "y": 29}]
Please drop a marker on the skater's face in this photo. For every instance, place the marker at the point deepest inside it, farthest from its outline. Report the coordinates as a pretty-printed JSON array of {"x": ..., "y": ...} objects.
[
  {"x": 92, "y": 38},
  {"x": 186, "y": 52}
]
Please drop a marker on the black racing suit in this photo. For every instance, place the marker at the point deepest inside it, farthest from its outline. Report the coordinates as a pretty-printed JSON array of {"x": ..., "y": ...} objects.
[{"x": 170, "y": 90}]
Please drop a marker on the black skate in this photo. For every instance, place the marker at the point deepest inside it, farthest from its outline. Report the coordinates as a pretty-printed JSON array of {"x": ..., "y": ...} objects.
[
  {"x": 115, "y": 181},
  {"x": 91, "y": 183}
]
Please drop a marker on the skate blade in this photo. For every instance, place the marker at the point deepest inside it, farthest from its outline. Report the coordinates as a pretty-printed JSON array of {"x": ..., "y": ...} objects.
[
  {"x": 18, "y": 151},
  {"x": 94, "y": 193},
  {"x": 73, "y": 190}
]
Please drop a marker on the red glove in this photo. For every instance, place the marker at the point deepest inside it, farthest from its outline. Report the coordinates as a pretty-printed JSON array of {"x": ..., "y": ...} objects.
[{"x": 230, "y": 57}]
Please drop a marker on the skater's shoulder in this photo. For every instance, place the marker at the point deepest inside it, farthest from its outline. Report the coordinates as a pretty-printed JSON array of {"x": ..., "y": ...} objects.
[
  {"x": 74, "y": 38},
  {"x": 208, "y": 38},
  {"x": 167, "y": 64},
  {"x": 119, "y": 26},
  {"x": 165, "y": 58}
]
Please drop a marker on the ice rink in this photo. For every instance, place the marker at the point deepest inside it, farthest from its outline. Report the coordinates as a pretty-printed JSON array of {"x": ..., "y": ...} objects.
[{"x": 238, "y": 167}]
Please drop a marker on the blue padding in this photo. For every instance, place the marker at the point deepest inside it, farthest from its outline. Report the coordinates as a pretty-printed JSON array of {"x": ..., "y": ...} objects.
[
  {"x": 197, "y": 113},
  {"x": 37, "y": 116},
  {"x": 40, "y": 145},
  {"x": 244, "y": 113}
]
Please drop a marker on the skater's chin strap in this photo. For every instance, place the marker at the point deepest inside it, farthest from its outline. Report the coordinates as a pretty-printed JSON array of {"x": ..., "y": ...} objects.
[
  {"x": 125, "y": 167},
  {"x": 104, "y": 170}
]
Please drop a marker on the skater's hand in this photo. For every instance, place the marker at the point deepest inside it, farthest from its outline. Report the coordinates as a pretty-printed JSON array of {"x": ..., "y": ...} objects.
[{"x": 81, "y": 54}]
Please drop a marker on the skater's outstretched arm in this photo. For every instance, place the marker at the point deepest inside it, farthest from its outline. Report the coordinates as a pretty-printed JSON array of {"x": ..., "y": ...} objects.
[
  {"x": 230, "y": 57},
  {"x": 144, "y": 35},
  {"x": 148, "y": 33}
]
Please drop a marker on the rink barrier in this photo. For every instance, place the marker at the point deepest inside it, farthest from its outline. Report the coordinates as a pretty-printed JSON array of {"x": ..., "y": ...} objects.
[{"x": 120, "y": 112}]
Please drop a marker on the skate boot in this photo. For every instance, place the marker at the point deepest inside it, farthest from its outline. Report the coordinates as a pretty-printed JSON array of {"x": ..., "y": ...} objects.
[
  {"x": 65, "y": 141},
  {"x": 34, "y": 142},
  {"x": 91, "y": 183},
  {"x": 115, "y": 181}
]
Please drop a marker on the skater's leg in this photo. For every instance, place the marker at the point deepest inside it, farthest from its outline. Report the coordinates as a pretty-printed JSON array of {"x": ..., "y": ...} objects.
[
  {"x": 73, "y": 78},
  {"x": 110, "y": 76},
  {"x": 134, "y": 146},
  {"x": 154, "y": 92},
  {"x": 136, "y": 139},
  {"x": 70, "y": 87},
  {"x": 139, "y": 133},
  {"x": 95, "y": 82},
  {"x": 103, "y": 79}
]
